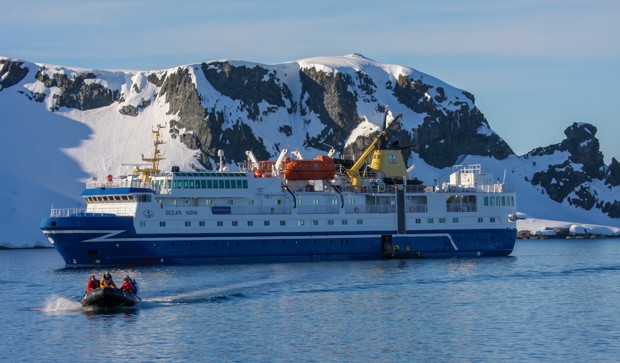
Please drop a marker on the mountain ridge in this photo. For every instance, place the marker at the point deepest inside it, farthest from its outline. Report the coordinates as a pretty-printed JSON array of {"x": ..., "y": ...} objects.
[{"x": 313, "y": 105}]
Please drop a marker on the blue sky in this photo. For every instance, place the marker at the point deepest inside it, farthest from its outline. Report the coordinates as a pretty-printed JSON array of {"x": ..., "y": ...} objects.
[{"x": 534, "y": 66}]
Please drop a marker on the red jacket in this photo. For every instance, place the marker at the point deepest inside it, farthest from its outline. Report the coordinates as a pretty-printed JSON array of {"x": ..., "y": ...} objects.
[
  {"x": 127, "y": 286},
  {"x": 92, "y": 284}
]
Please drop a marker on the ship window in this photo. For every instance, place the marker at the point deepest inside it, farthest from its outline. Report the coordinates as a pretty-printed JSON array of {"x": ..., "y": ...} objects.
[
  {"x": 233, "y": 184},
  {"x": 229, "y": 202},
  {"x": 250, "y": 201},
  {"x": 315, "y": 222},
  {"x": 210, "y": 184},
  {"x": 330, "y": 222},
  {"x": 480, "y": 220},
  {"x": 299, "y": 200},
  {"x": 345, "y": 222},
  {"x": 250, "y": 223},
  {"x": 203, "y": 184},
  {"x": 162, "y": 223},
  {"x": 239, "y": 184},
  {"x": 283, "y": 223},
  {"x": 491, "y": 199},
  {"x": 315, "y": 201},
  {"x": 117, "y": 197},
  {"x": 455, "y": 220},
  {"x": 418, "y": 221},
  {"x": 278, "y": 202},
  {"x": 486, "y": 201},
  {"x": 266, "y": 223},
  {"x": 235, "y": 223},
  {"x": 492, "y": 220},
  {"x": 512, "y": 201},
  {"x": 497, "y": 201},
  {"x": 186, "y": 184},
  {"x": 227, "y": 184},
  {"x": 220, "y": 223},
  {"x": 201, "y": 223},
  {"x": 334, "y": 201},
  {"x": 130, "y": 197},
  {"x": 431, "y": 221},
  {"x": 208, "y": 202},
  {"x": 142, "y": 224},
  {"x": 191, "y": 184},
  {"x": 360, "y": 221},
  {"x": 300, "y": 222},
  {"x": 124, "y": 197},
  {"x": 188, "y": 224},
  {"x": 442, "y": 220},
  {"x": 245, "y": 184},
  {"x": 221, "y": 184},
  {"x": 503, "y": 201}
]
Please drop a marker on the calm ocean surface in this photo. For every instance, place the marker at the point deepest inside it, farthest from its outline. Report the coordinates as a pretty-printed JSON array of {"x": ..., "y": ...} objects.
[{"x": 556, "y": 300}]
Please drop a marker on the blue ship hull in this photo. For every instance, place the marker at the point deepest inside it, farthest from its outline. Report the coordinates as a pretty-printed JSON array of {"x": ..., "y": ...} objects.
[{"x": 89, "y": 240}]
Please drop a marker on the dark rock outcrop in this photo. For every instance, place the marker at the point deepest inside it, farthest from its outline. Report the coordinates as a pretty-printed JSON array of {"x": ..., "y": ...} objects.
[
  {"x": 570, "y": 180},
  {"x": 446, "y": 134},
  {"x": 328, "y": 96},
  {"x": 77, "y": 93},
  {"x": 251, "y": 86},
  {"x": 612, "y": 175},
  {"x": 11, "y": 73}
]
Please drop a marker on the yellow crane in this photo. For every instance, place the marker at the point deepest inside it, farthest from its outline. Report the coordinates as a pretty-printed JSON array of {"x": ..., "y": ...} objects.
[{"x": 389, "y": 162}]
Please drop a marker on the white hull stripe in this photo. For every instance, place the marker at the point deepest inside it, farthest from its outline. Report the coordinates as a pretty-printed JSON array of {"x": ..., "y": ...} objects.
[{"x": 106, "y": 237}]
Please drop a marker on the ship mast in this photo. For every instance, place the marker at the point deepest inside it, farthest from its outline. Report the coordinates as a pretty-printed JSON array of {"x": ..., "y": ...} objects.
[{"x": 155, "y": 159}]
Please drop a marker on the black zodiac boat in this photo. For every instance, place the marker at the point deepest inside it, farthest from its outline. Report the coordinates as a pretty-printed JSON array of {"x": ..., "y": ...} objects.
[{"x": 109, "y": 298}]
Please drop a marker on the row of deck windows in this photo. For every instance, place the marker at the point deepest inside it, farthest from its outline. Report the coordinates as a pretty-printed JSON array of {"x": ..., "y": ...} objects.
[
  {"x": 300, "y": 222},
  {"x": 201, "y": 184},
  {"x": 315, "y": 222},
  {"x": 454, "y": 220},
  {"x": 499, "y": 201},
  {"x": 210, "y": 184},
  {"x": 110, "y": 198}
]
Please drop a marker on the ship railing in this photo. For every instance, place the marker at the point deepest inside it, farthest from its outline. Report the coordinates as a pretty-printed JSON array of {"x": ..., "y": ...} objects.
[
  {"x": 82, "y": 212},
  {"x": 461, "y": 207},
  {"x": 118, "y": 183},
  {"x": 416, "y": 208},
  {"x": 317, "y": 209},
  {"x": 388, "y": 208},
  {"x": 246, "y": 210},
  {"x": 482, "y": 188}
]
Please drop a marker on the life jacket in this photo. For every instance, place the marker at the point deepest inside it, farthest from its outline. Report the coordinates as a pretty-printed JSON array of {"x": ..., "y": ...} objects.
[{"x": 106, "y": 282}]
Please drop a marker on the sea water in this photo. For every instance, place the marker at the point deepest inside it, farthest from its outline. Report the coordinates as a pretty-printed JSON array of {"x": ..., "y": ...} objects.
[{"x": 554, "y": 300}]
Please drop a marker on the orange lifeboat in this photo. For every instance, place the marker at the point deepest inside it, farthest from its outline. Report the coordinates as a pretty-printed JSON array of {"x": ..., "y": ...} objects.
[{"x": 320, "y": 168}]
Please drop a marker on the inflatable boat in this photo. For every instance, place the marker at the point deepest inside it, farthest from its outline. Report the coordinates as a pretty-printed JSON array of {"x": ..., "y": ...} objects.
[{"x": 109, "y": 298}]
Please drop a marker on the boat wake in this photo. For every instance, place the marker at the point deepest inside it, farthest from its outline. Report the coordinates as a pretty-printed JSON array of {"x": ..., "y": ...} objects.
[
  {"x": 213, "y": 294},
  {"x": 59, "y": 305}
]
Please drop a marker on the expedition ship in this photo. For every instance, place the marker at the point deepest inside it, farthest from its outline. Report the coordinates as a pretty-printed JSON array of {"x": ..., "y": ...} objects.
[{"x": 285, "y": 210}]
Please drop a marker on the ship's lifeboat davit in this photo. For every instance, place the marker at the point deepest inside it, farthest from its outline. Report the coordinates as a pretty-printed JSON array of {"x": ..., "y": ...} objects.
[{"x": 320, "y": 168}]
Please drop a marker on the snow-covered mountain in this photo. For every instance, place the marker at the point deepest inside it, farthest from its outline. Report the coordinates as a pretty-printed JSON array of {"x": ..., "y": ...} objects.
[{"x": 63, "y": 126}]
